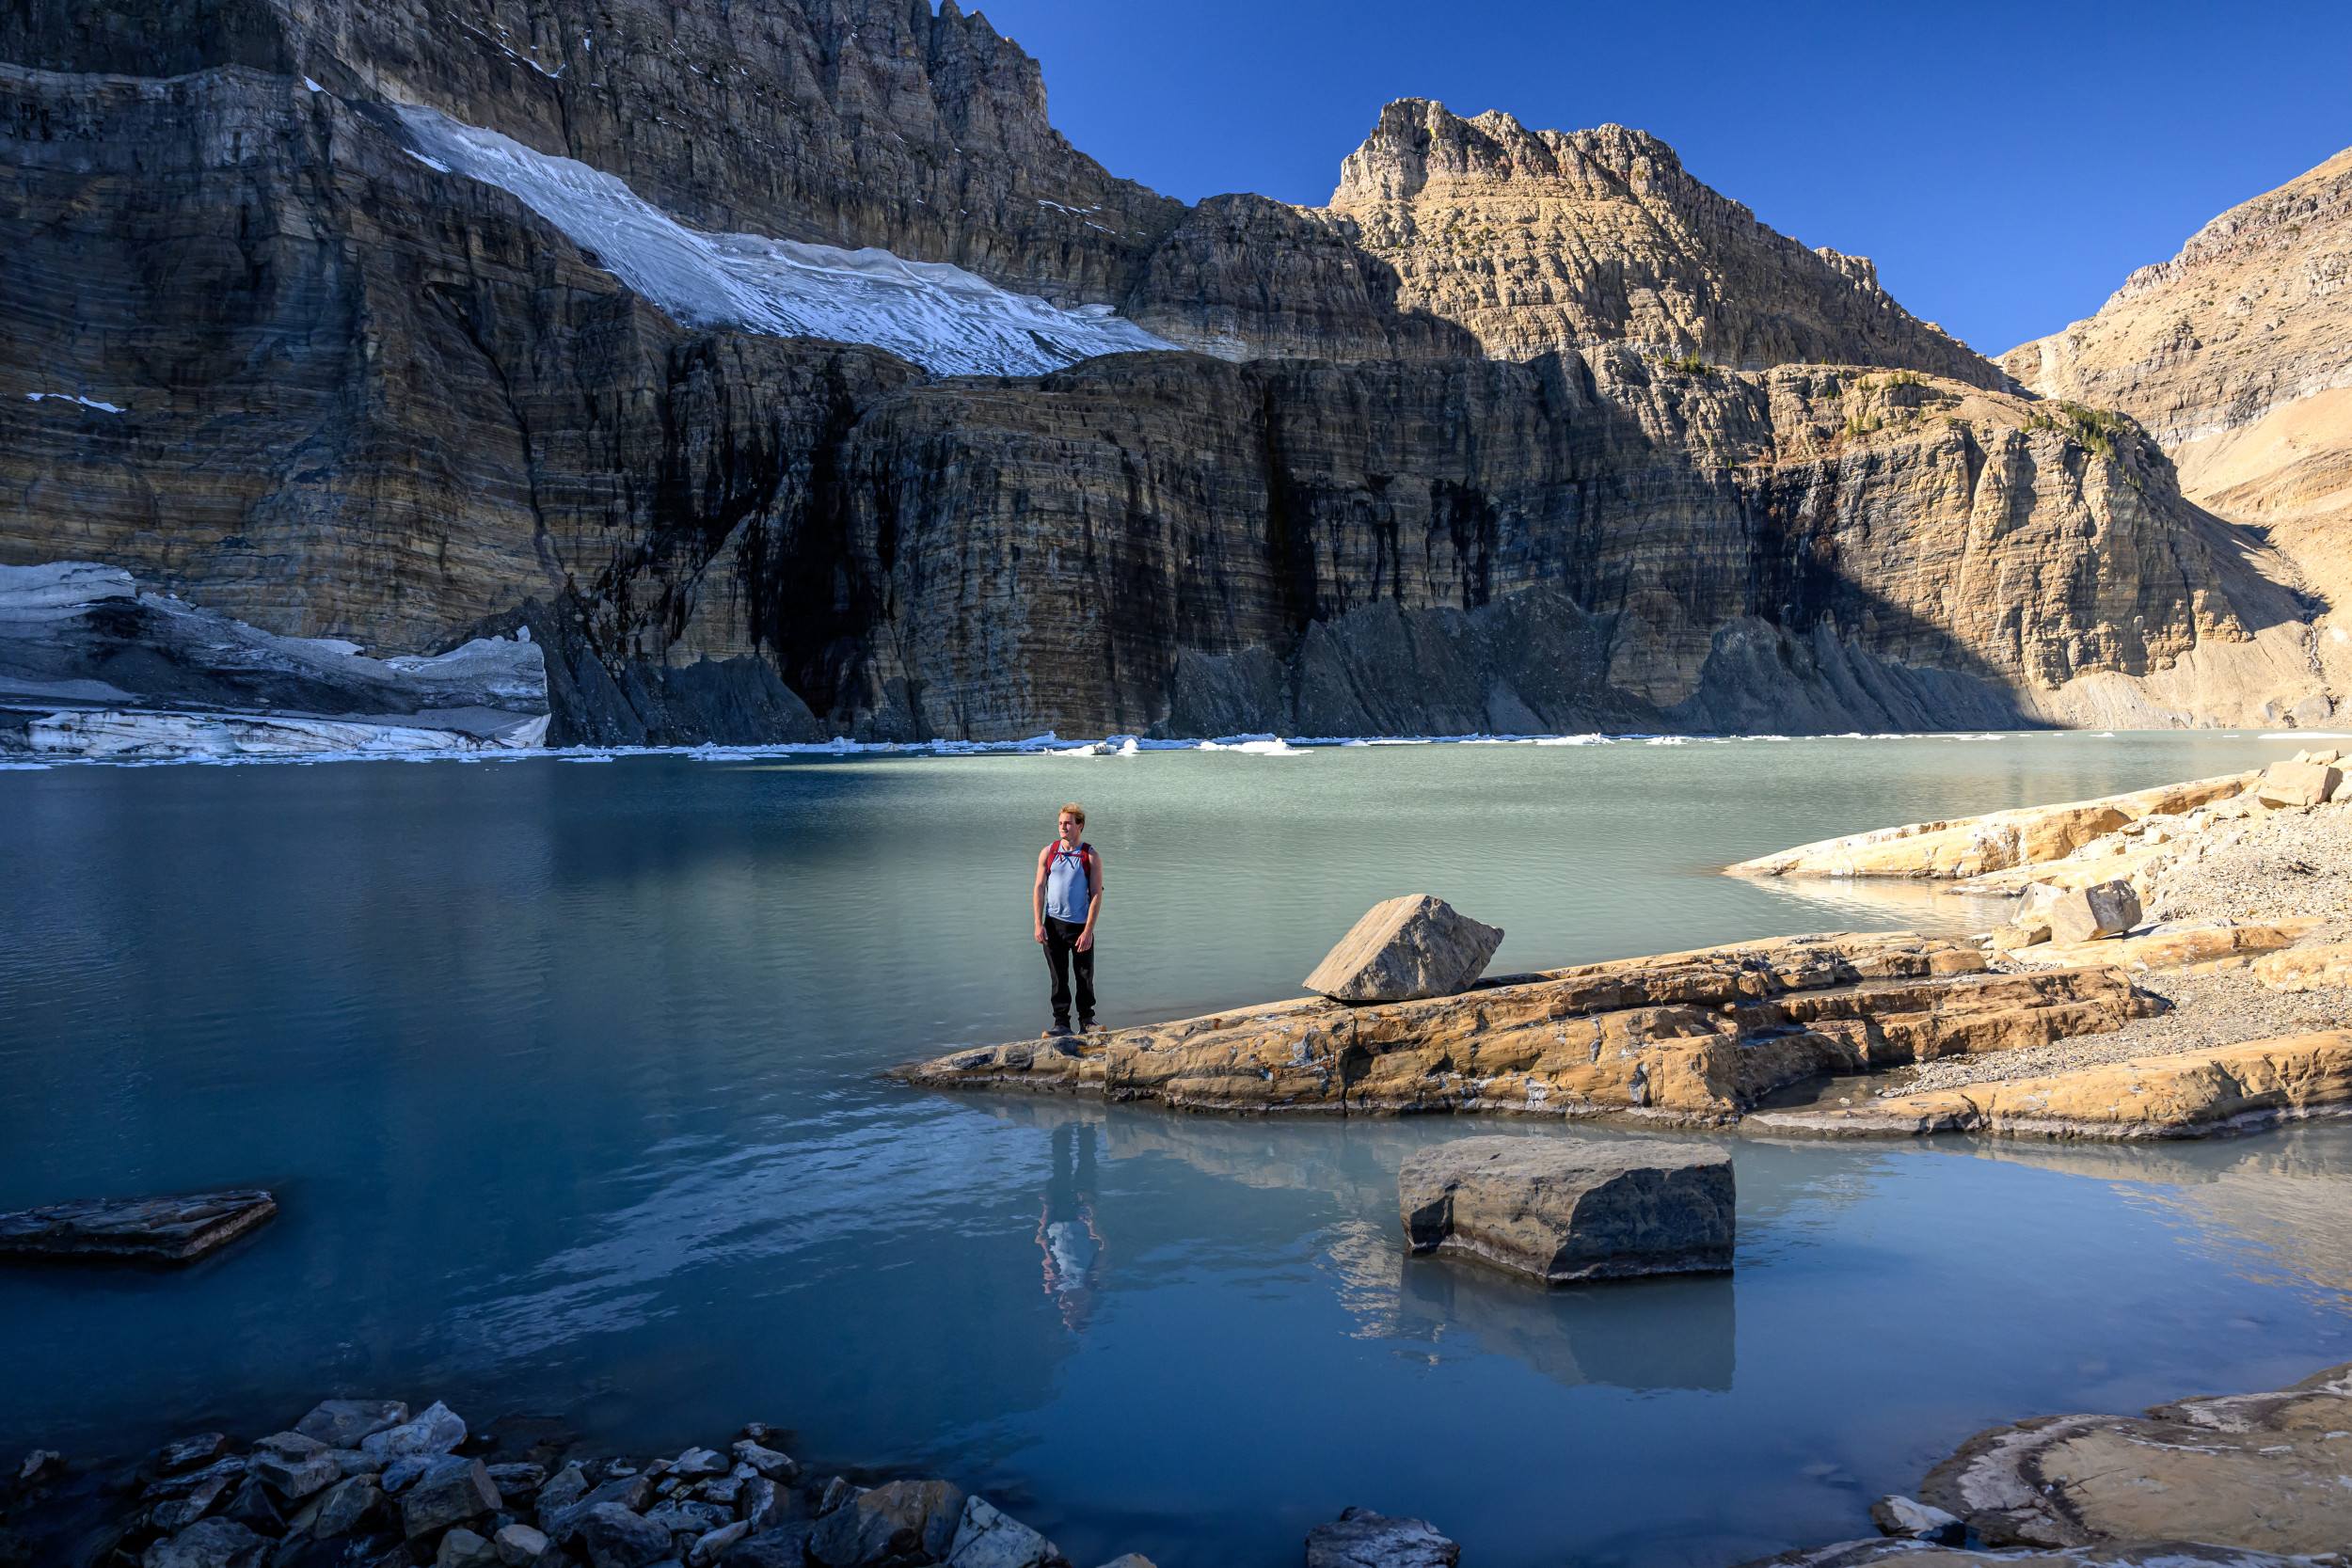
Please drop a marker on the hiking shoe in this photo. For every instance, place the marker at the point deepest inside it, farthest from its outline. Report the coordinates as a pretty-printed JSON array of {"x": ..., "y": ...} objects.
[
  {"x": 1056, "y": 1032},
  {"x": 1087, "y": 1026}
]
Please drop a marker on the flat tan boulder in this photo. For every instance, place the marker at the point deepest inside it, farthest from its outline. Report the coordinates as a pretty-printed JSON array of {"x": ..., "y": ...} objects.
[
  {"x": 2297, "y": 783},
  {"x": 2306, "y": 967},
  {"x": 1406, "y": 949},
  {"x": 2259, "y": 1472},
  {"x": 2085, "y": 915},
  {"x": 1557, "y": 1210},
  {"x": 2194, "y": 1094}
]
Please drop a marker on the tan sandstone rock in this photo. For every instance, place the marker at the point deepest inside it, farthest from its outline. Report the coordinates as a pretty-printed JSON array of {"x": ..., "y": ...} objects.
[
  {"x": 1971, "y": 846},
  {"x": 2306, "y": 968},
  {"x": 2175, "y": 947},
  {"x": 2191, "y": 1095},
  {"x": 1690, "y": 1038},
  {"x": 2297, "y": 783},
  {"x": 1563, "y": 1211},
  {"x": 1405, "y": 948}
]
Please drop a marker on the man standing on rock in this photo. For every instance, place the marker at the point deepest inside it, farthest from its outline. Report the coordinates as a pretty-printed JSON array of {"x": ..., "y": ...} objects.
[{"x": 1066, "y": 900}]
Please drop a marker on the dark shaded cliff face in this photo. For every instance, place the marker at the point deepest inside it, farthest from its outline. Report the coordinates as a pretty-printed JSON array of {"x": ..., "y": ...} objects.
[
  {"x": 257, "y": 349},
  {"x": 1453, "y": 545}
]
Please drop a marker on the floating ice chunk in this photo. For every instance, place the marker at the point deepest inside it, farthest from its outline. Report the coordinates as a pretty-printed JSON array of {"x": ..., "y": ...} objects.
[
  {"x": 1255, "y": 748},
  {"x": 950, "y": 321}
]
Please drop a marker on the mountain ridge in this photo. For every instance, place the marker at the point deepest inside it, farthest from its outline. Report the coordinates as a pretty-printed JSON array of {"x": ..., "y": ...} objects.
[{"x": 333, "y": 387}]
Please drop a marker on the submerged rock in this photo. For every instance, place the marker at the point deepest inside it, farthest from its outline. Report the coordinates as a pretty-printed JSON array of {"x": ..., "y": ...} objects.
[
  {"x": 344, "y": 1423},
  {"x": 1562, "y": 1211},
  {"x": 1360, "y": 1538},
  {"x": 1404, "y": 949},
  {"x": 146, "y": 1229},
  {"x": 187, "y": 1453}
]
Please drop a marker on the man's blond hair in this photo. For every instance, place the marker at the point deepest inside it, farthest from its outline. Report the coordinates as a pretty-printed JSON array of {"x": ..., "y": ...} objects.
[{"x": 1073, "y": 809}]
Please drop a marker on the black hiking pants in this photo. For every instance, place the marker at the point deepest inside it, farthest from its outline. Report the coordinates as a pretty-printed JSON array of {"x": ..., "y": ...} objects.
[{"x": 1061, "y": 958}]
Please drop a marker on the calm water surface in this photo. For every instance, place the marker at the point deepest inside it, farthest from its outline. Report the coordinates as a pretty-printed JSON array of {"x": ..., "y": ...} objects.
[{"x": 564, "y": 1075}]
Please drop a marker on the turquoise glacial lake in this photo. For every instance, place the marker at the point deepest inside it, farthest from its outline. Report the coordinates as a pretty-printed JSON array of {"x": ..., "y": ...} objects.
[{"x": 564, "y": 1074}]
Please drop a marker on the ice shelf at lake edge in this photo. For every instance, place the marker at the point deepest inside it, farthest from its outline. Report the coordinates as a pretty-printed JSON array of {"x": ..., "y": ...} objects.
[{"x": 947, "y": 320}]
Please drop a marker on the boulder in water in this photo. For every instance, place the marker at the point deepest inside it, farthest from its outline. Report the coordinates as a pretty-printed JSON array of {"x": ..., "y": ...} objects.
[
  {"x": 147, "y": 1230},
  {"x": 1560, "y": 1209},
  {"x": 1404, "y": 949}
]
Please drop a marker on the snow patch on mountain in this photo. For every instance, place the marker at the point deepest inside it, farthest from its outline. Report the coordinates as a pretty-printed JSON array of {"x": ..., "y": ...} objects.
[{"x": 947, "y": 320}]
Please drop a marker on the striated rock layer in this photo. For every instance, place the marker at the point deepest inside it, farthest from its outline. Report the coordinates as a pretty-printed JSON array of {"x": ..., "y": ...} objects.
[{"x": 1687, "y": 1038}]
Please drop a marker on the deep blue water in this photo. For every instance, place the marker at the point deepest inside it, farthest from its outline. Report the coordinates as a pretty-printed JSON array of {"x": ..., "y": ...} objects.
[{"x": 564, "y": 1077}]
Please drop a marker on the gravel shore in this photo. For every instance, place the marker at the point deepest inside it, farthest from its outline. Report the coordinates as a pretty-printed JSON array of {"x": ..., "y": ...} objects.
[{"x": 2281, "y": 864}]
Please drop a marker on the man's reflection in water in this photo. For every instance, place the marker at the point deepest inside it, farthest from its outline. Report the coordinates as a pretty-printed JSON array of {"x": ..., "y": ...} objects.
[{"x": 1065, "y": 1231}]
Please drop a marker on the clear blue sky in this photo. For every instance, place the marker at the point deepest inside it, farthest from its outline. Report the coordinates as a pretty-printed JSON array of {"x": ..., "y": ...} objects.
[{"x": 2006, "y": 165}]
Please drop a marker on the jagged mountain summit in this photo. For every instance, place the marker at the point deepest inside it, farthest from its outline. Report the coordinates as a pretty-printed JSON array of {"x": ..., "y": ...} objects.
[
  {"x": 2236, "y": 354},
  {"x": 637, "y": 326},
  {"x": 1450, "y": 236}
]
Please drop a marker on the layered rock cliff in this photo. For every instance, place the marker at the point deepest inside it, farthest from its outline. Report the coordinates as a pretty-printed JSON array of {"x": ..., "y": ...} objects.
[
  {"x": 2236, "y": 354},
  {"x": 1445, "y": 547},
  {"x": 267, "y": 350}
]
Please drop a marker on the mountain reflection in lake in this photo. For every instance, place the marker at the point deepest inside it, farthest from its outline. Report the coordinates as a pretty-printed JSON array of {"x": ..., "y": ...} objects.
[{"x": 564, "y": 1077}]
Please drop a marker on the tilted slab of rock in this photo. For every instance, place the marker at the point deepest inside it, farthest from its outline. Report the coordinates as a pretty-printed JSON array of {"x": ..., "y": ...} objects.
[
  {"x": 152, "y": 1229},
  {"x": 1973, "y": 845},
  {"x": 2173, "y": 947},
  {"x": 1562, "y": 1211},
  {"x": 1686, "y": 1038},
  {"x": 1405, "y": 948},
  {"x": 2260, "y": 1472},
  {"x": 2195, "y": 1094}
]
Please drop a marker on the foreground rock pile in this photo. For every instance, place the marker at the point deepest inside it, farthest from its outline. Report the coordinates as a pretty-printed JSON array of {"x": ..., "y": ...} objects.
[
  {"x": 1688, "y": 1039},
  {"x": 362, "y": 1483}
]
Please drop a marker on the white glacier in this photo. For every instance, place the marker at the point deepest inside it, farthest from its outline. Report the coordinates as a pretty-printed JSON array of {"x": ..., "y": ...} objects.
[{"x": 947, "y": 320}]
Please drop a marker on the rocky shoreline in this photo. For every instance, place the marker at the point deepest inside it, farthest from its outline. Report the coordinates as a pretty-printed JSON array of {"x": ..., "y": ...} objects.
[
  {"x": 2232, "y": 984},
  {"x": 362, "y": 1483},
  {"x": 2248, "y": 1480}
]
